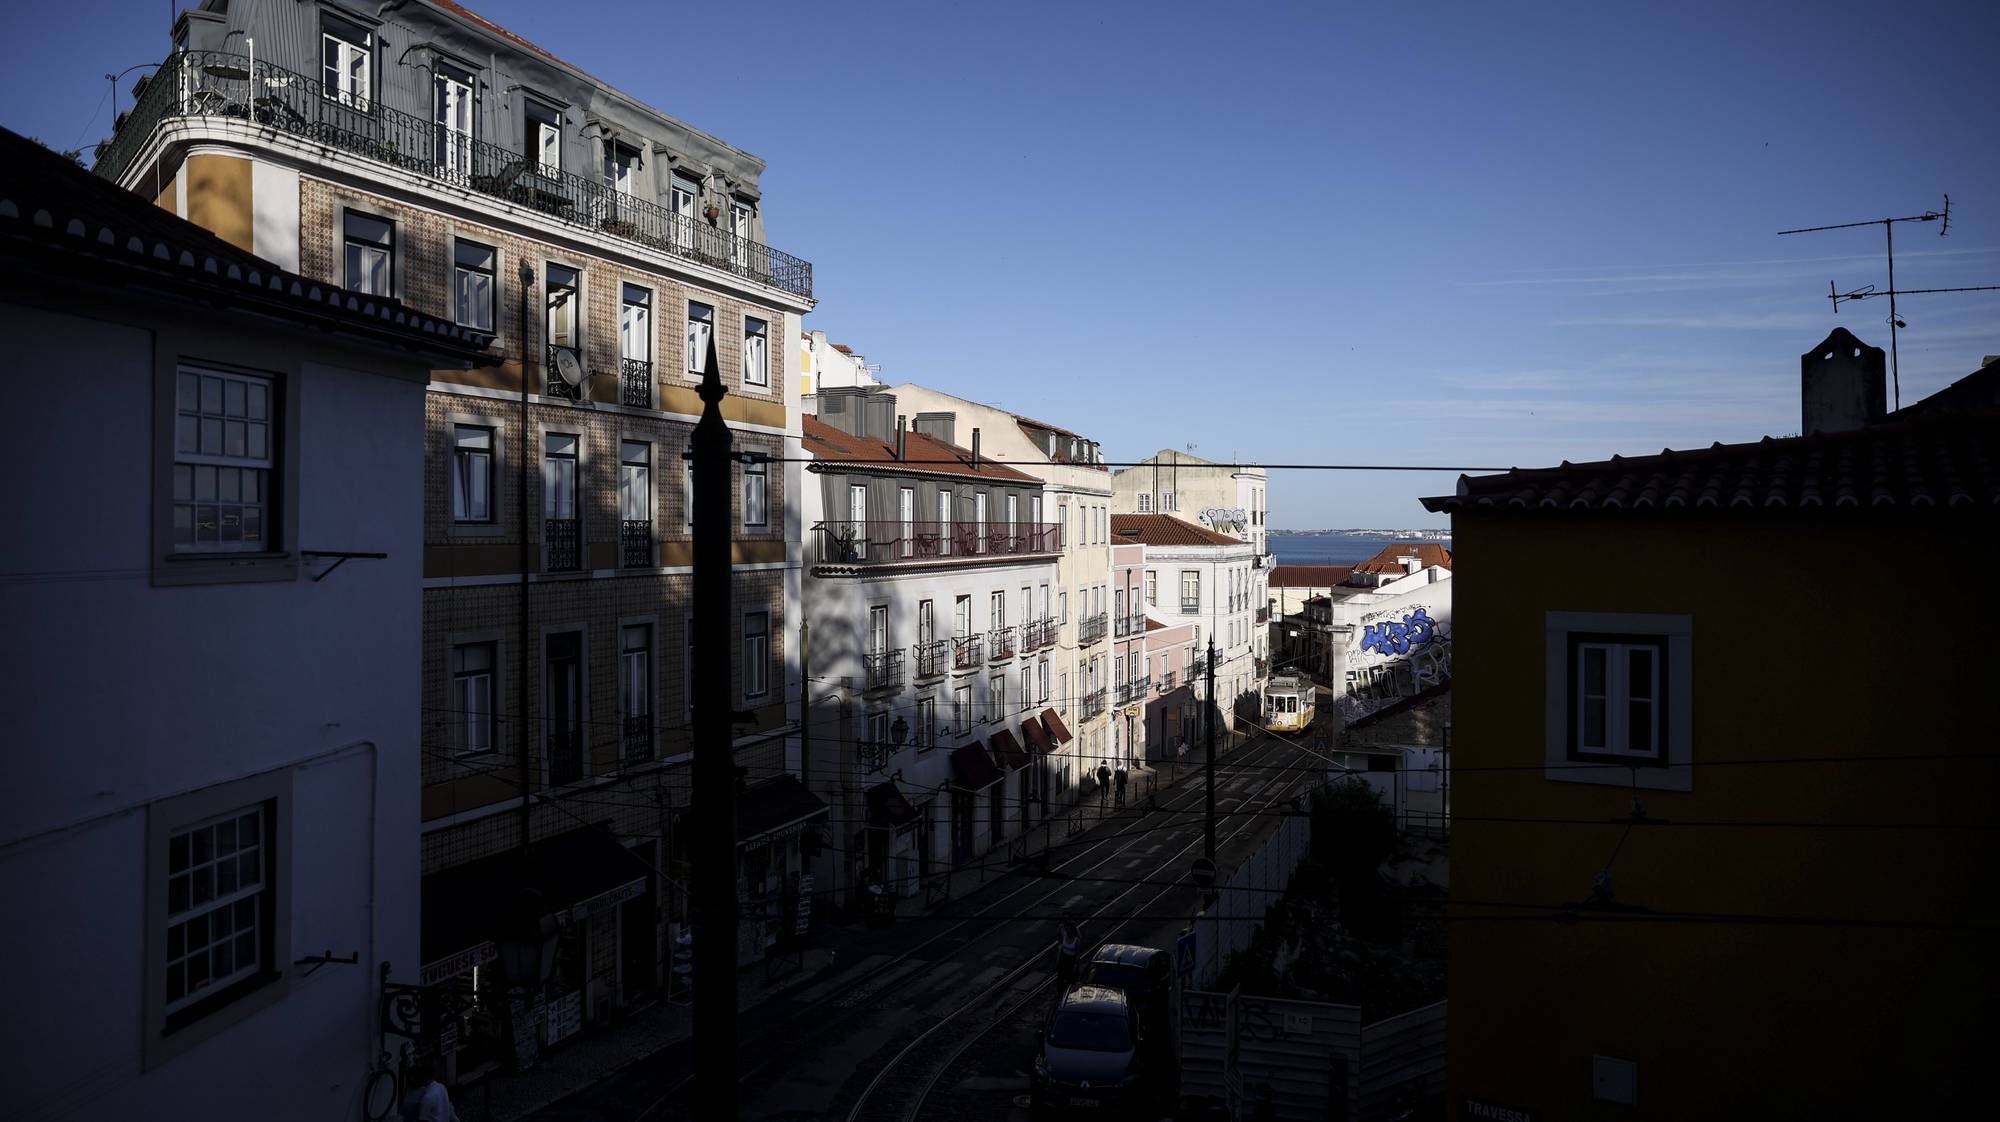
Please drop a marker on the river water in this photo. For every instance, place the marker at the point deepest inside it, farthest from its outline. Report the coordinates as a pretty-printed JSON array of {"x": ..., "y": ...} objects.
[{"x": 1330, "y": 549}]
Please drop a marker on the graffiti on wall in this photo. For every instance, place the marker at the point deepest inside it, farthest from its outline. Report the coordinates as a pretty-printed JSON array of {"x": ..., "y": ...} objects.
[{"x": 1399, "y": 636}]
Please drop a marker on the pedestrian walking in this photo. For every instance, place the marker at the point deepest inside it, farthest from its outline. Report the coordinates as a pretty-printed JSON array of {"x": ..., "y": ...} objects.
[
  {"x": 427, "y": 1100},
  {"x": 1069, "y": 944},
  {"x": 1120, "y": 799}
]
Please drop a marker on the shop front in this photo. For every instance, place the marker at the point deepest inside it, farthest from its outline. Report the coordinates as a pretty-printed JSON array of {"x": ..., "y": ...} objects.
[
  {"x": 1014, "y": 761},
  {"x": 973, "y": 776},
  {"x": 779, "y": 828}
]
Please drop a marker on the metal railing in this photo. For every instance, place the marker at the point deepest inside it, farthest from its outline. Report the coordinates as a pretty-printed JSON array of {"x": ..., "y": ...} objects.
[
  {"x": 1190, "y": 605},
  {"x": 1090, "y": 629},
  {"x": 217, "y": 84},
  {"x": 565, "y": 756},
  {"x": 874, "y": 754},
  {"x": 1121, "y": 626},
  {"x": 882, "y": 669},
  {"x": 932, "y": 657},
  {"x": 552, "y": 375},
  {"x": 1038, "y": 633},
  {"x": 1135, "y": 624},
  {"x": 1093, "y": 703},
  {"x": 635, "y": 382},
  {"x": 1264, "y": 614},
  {"x": 638, "y": 737},
  {"x": 563, "y": 538},
  {"x": 1167, "y": 682},
  {"x": 1000, "y": 643},
  {"x": 892, "y": 543},
  {"x": 1134, "y": 690},
  {"x": 965, "y": 652},
  {"x": 1262, "y": 667},
  {"x": 635, "y": 543}
]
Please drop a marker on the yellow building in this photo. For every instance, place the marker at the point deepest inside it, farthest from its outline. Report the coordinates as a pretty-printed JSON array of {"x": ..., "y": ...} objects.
[{"x": 1723, "y": 795}]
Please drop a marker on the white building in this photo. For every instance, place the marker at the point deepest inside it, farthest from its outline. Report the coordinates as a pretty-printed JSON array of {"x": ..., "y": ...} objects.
[
  {"x": 1199, "y": 577},
  {"x": 1226, "y": 498},
  {"x": 1077, "y": 496},
  {"x": 209, "y": 804},
  {"x": 931, "y": 654},
  {"x": 1381, "y": 633}
]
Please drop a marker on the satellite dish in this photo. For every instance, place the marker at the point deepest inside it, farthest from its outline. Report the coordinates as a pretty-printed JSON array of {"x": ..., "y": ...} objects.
[{"x": 568, "y": 368}]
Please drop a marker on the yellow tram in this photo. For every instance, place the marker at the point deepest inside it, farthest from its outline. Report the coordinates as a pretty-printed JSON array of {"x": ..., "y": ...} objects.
[{"x": 1288, "y": 703}]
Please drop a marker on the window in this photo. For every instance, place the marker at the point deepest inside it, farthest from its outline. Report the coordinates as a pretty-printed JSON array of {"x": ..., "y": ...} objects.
[
  {"x": 906, "y": 511},
  {"x": 1062, "y": 603},
  {"x": 451, "y": 110},
  {"x": 471, "y": 473},
  {"x": 756, "y": 497},
  {"x": 1042, "y": 679},
  {"x": 1152, "y": 587},
  {"x": 1619, "y": 692},
  {"x": 472, "y": 285},
  {"x": 635, "y": 324},
  {"x": 1027, "y": 686},
  {"x": 563, "y": 702},
  {"x": 1190, "y": 590},
  {"x": 944, "y": 520},
  {"x": 756, "y": 352},
  {"x": 927, "y": 727},
  {"x": 926, "y": 621},
  {"x": 223, "y": 459},
  {"x": 635, "y": 501},
  {"x": 961, "y": 707},
  {"x": 961, "y": 616},
  {"x": 996, "y": 697},
  {"x": 681, "y": 200},
  {"x": 559, "y": 452},
  {"x": 1062, "y": 523},
  {"x": 472, "y": 667},
  {"x": 1145, "y": 502},
  {"x": 997, "y": 610},
  {"x": 878, "y": 629},
  {"x": 371, "y": 253},
  {"x": 700, "y": 338},
  {"x": 619, "y": 162},
  {"x": 1167, "y": 501},
  {"x": 756, "y": 654},
  {"x": 739, "y": 227},
  {"x": 220, "y": 912},
  {"x": 979, "y": 522},
  {"x": 563, "y": 321},
  {"x": 635, "y": 684},
  {"x": 346, "y": 49},
  {"x": 544, "y": 135},
  {"x": 687, "y": 486},
  {"x": 857, "y": 517}
]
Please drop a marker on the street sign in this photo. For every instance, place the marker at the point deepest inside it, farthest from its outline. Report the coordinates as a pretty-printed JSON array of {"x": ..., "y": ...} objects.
[{"x": 1203, "y": 872}]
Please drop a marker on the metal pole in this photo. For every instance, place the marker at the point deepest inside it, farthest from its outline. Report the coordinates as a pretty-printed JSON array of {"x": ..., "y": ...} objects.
[
  {"x": 805, "y": 697},
  {"x": 527, "y": 278},
  {"x": 1895, "y": 361},
  {"x": 1208, "y": 718},
  {"x": 714, "y": 840}
]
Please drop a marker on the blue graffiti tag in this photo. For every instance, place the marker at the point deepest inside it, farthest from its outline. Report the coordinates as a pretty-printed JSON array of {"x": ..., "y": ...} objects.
[{"x": 1415, "y": 630}]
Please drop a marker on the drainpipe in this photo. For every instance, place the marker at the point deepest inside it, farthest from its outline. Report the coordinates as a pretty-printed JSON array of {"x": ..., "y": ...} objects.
[
  {"x": 527, "y": 279},
  {"x": 902, "y": 433},
  {"x": 975, "y": 449}
]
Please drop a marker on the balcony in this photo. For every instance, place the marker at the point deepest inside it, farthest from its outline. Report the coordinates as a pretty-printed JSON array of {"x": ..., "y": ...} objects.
[
  {"x": 637, "y": 737},
  {"x": 1038, "y": 633},
  {"x": 1264, "y": 614},
  {"x": 1093, "y": 704},
  {"x": 1131, "y": 627},
  {"x": 1000, "y": 644},
  {"x": 635, "y": 382},
  {"x": 552, "y": 380},
  {"x": 882, "y": 670},
  {"x": 1190, "y": 605},
  {"x": 1167, "y": 682},
  {"x": 1262, "y": 667},
  {"x": 1090, "y": 629},
  {"x": 225, "y": 87},
  {"x": 874, "y": 755},
  {"x": 635, "y": 543},
  {"x": 932, "y": 657},
  {"x": 865, "y": 543},
  {"x": 565, "y": 756},
  {"x": 965, "y": 653},
  {"x": 562, "y": 538},
  {"x": 1134, "y": 690}
]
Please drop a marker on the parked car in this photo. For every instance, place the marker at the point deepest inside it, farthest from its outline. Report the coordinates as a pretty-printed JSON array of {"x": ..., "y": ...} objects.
[
  {"x": 1146, "y": 974},
  {"x": 1091, "y": 1052}
]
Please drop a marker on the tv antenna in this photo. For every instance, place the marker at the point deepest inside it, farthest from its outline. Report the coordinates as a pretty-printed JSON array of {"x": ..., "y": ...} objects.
[{"x": 1865, "y": 292}]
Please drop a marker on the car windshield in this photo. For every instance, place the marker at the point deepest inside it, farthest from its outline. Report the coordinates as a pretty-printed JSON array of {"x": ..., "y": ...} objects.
[
  {"x": 1118, "y": 975},
  {"x": 1090, "y": 1032}
]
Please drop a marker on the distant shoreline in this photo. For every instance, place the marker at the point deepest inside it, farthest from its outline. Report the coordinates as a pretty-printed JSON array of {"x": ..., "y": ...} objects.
[{"x": 1400, "y": 535}]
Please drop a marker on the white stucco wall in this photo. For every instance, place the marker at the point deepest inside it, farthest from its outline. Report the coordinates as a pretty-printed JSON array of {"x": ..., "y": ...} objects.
[{"x": 120, "y": 694}]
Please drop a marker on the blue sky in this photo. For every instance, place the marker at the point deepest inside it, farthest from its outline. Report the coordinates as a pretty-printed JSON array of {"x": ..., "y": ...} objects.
[{"x": 1478, "y": 234}]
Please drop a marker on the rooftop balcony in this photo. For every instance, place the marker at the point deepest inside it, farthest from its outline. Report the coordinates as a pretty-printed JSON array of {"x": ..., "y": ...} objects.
[
  {"x": 867, "y": 543},
  {"x": 224, "y": 87}
]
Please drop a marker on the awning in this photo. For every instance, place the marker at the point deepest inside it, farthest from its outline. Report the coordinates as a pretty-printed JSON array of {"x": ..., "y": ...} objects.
[
  {"x": 888, "y": 806},
  {"x": 1055, "y": 726},
  {"x": 494, "y": 899},
  {"x": 1007, "y": 750},
  {"x": 971, "y": 769},
  {"x": 1036, "y": 736},
  {"x": 775, "y": 809}
]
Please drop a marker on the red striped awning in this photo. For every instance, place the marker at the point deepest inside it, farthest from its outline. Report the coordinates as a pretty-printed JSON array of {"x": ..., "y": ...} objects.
[
  {"x": 1055, "y": 726},
  {"x": 1037, "y": 736},
  {"x": 1007, "y": 750}
]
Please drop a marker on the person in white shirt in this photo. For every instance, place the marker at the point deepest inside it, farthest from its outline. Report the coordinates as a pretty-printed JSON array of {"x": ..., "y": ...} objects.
[{"x": 427, "y": 1100}]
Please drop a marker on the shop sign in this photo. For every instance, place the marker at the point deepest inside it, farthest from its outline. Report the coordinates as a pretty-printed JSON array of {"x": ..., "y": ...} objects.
[
  {"x": 1493, "y": 1112},
  {"x": 605, "y": 901},
  {"x": 804, "y": 923},
  {"x": 565, "y": 1017},
  {"x": 451, "y": 966},
  {"x": 448, "y": 1039}
]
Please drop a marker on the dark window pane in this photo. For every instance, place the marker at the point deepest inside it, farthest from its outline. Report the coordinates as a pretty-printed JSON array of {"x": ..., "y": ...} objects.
[
  {"x": 225, "y": 877},
  {"x": 176, "y": 941},
  {"x": 176, "y": 982},
  {"x": 1593, "y": 671},
  {"x": 203, "y": 879},
  {"x": 186, "y": 428},
  {"x": 177, "y": 853},
  {"x": 232, "y": 398},
  {"x": 1593, "y": 722},
  {"x": 233, "y": 439},
  {"x": 1639, "y": 664},
  {"x": 247, "y": 872},
  {"x": 211, "y": 436},
  {"x": 225, "y": 837},
  {"x": 203, "y": 843},
  {"x": 177, "y": 895},
  {"x": 246, "y": 949},
  {"x": 258, "y": 404},
  {"x": 189, "y": 396},
  {"x": 1639, "y": 726},
  {"x": 197, "y": 972},
  {"x": 211, "y": 395},
  {"x": 225, "y": 960},
  {"x": 253, "y": 524}
]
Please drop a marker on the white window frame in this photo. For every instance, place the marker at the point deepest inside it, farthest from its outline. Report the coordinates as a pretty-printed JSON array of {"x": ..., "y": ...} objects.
[
  {"x": 700, "y": 332},
  {"x": 471, "y": 308},
  {"x": 756, "y": 654},
  {"x": 350, "y": 67},
  {"x": 756, "y": 494},
  {"x": 468, "y": 461},
  {"x": 906, "y": 509},
  {"x": 638, "y": 685},
  {"x": 452, "y": 115},
  {"x": 474, "y": 725},
  {"x": 1671, "y": 770},
  {"x": 756, "y": 351},
  {"x": 543, "y": 137},
  {"x": 216, "y": 423},
  {"x": 1145, "y": 502},
  {"x": 351, "y": 243},
  {"x": 635, "y": 323}
]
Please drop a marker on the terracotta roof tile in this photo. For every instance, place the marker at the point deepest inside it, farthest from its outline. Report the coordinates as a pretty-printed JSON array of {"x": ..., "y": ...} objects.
[
  {"x": 924, "y": 454},
  {"x": 1165, "y": 529},
  {"x": 1309, "y": 576},
  {"x": 1430, "y": 554},
  {"x": 1917, "y": 459}
]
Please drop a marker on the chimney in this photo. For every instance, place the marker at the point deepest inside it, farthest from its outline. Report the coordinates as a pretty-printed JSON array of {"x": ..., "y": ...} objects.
[
  {"x": 1411, "y": 564},
  {"x": 902, "y": 435},
  {"x": 1841, "y": 385},
  {"x": 975, "y": 449}
]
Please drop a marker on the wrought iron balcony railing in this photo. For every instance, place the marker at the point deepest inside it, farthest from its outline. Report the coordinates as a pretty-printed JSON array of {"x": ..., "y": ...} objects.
[
  {"x": 1090, "y": 629},
  {"x": 1038, "y": 633},
  {"x": 1264, "y": 614},
  {"x": 635, "y": 543},
  {"x": 874, "y": 755},
  {"x": 932, "y": 657},
  {"x": 1093, "y": 703},
  {"x": 565, "y": 756},
  {"x": 214, "y": 84},
  {"x": 965, "y": 652},
  {"x": 896, "y": 543},
  {"x": 1263, "y": 667},
  {"x": 563, "y": 539},
  {"x": 1000, "y": 644},
  {"x": 882, "y": 669},
  {"x": 1167, "y": 682},
  {"x": 1134, "y": 690},
  {"x": 552, "y": 375},
  {"x": 638, "y": 737},
  {"x": 635, "y": 382}
]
